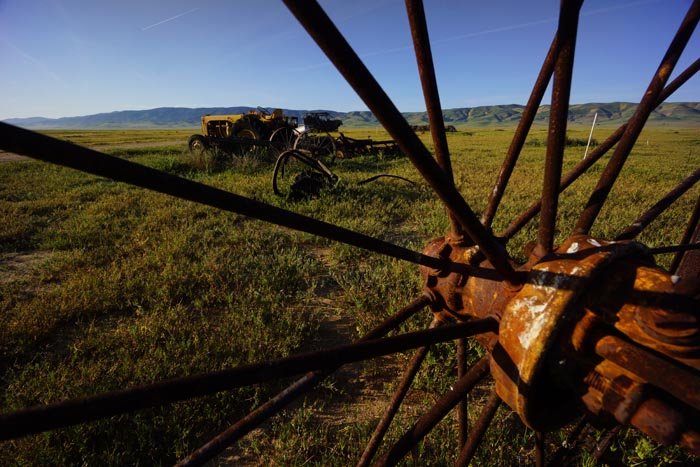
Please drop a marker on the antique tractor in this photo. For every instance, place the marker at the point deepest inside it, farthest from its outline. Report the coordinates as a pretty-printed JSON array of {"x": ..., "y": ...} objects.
[{"x": 239, "y": 134}]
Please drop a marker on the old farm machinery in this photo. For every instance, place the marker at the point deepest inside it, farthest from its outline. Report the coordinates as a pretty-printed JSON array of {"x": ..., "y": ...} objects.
[
  {"x": 252, "y": 132},
  {"x": 589, "y": 328}
]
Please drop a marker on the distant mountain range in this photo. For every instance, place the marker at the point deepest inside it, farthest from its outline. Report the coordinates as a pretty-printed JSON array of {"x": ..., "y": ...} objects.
[{"x": 670, "y": 114}]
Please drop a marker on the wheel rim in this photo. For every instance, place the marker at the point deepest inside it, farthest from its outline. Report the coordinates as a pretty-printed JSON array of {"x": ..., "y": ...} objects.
[{"x": 461, "y": 215}]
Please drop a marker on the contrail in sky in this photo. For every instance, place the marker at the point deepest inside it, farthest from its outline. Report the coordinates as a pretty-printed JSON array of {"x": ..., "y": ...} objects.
[
  {"x": 484, "y": 32},
  {"x": 170, "y": 19}
]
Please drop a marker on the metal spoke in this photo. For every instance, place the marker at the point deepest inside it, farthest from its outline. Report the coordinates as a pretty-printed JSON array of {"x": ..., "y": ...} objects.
[
  {"x": 521, "y": 132},
  {"x": 532, "y": 210},
  {"x": 539, "y": 449},
  {"x": 331, "y": 41},
  {"x": 426, "y": 70},
  {"x": 45, "y": 148},
  {"x": 676, "y": 248},
  {"x": 657, "y": 209},
  {"x": 463, "y": 406},
  {"x": 605, "y": 442},
  {"x": 560, "y": 457},
  {"x": 636, "y": 123},
  {"x": 431, "y": 418},
  {"x": 556, "y": 137},
  {"x": 74, "y": 411},
  {"x": 270, "y": 408},
  {"x": 479, "y": 430},
  {"x": 690, "y": 262},
  {"x": 393, "y": 407}
]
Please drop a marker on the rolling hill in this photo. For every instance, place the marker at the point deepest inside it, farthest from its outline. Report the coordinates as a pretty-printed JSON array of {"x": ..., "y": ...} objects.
[{"x": 614, "y": 113}]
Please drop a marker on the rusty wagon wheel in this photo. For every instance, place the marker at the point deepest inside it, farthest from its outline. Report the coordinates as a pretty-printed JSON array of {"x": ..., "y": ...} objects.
[
  {"x": 320, "y": 146},
  {"x": 590, "y": 326}
]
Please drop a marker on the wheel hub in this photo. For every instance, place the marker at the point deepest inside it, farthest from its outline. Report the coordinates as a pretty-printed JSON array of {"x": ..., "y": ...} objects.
[{"x": 583, "y": 327}]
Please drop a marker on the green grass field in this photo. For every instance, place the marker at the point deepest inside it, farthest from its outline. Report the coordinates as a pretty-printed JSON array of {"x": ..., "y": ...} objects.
[{"x": 106, "y": 286}]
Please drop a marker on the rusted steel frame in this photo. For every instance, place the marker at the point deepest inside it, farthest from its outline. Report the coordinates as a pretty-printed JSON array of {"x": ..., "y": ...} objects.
[
  {"x": 479, "y": 430},
  {"x": 45, "y": 148},
  {"x": 692, "y": 227},
  {"x": 661, "y": 372},
  {"x": 41, "y": 418},
  {"x": 270, "y": 408},
  {"x": 556, "y": 135},
  {"x": 636, "y": 123},
  {"x": 396, "y": 400},
  {"x": 596, "y": 154},
  {"x": 675, "y": 248},
  {"x": 463, "y": 406},
  {"x": 605, "y": 442},
  {"x": 426, "y": 70},
  {"x": 521, "y": 132},
  {"x": 560, "y": 457},
  {"x": 331, "y": 41},
  {"x": 431, "y": 418},
  {"x": 657, "y": 209},
  {"x": 539, "y": 449}
]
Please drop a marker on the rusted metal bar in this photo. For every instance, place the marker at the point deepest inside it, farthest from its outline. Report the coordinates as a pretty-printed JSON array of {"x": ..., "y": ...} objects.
[
  {"x": 319, "y": 26},
  {"x": 45, "y": 148},
  {"x": 662, "y": 373},
  {"x": 37, "y": 419},
  {"x": 463, "y": 406},
  {"x": 657, "y": 209},
  {"x": 690, "y": 229},
  {"x": 539, "y": 449},
  {"x": 270, "y": 408},
  {"x": 274, "y": 405},
  {"x": 516, "y": 145},
  {"x": 477, "y": 433},
  {"x": 556, "y": 136},
  {"x": 393, "y": 407},
  {"x": 605, "y": 442},
  {"x": 676, "y": 248},
  {"x": 561, "y": 455},
  {"x": 431, "y": 418},
  {"x": 426, "y": 70},
  {"x": 689, "y": 265},
  {"x": 636, "y": 123},
  {"x": 596, "y": 154}
]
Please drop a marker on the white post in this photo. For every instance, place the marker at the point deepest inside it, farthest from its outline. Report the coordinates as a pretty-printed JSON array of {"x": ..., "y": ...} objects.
[{"x": 590, "y": 135}]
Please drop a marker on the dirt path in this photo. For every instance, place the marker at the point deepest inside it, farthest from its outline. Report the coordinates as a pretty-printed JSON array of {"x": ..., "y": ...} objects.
[{"x": 12, "y": 157}]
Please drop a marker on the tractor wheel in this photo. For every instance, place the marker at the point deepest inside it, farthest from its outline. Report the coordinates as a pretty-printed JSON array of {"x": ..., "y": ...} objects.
[{"x": 197, "y": 144}]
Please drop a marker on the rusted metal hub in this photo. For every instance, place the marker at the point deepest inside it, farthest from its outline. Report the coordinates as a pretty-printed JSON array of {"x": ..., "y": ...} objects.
[{"x": 596, "y": 327}]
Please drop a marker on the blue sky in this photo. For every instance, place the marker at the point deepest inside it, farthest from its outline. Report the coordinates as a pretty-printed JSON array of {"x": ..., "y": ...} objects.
[{"x": 71, "y": 57}]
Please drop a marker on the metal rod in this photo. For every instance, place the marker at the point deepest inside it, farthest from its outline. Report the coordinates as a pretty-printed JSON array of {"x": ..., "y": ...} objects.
[
  {"x": 636, "y": 123},
  {"x": 463, "y": 406},
  {"x": 477, "y": 433},
  {"x": 657, "y": 209},
  {"x": 539, "y": 449},
  {"x": 660, "y": 372},
  {"x": 521, "y": 132},
  {"x": 556, "y": 136},
  {"x": 393, "y": 407},
  {"x": 45, "y": 148},
  {"x": 331, "y": 41},
  {"x": 596, "y": 154},
  {"x": 431, "y": 418},
  {"x": 41, "y": 418},
  {"x": 693, "y": 222},
  {"x": 243, "y": 426},
  {"x": 605, "y": 441},
  {"x": 675, "y": 248},
  {"x": 426, "y": 71},
  {"x": 560, "y": 456}
]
